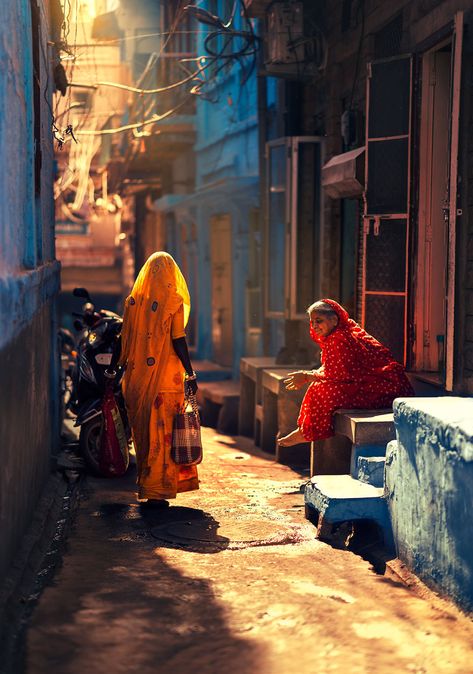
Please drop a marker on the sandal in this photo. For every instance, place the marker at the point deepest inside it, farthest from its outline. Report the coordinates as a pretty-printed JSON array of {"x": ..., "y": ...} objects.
[{"x": 155, "y": 503}]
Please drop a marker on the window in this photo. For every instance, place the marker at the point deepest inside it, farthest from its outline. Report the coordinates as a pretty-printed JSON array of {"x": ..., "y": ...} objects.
[{"x": 294, "y": 225}]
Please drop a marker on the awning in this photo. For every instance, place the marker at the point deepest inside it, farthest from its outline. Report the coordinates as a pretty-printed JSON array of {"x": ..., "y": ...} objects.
[
  {"x": 232, "y": 187},
  {"x": 344, "y": 175}
]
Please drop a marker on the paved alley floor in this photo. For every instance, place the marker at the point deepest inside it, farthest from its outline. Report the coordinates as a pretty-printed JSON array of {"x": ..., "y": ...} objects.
[{"x": 228, "y": 580}]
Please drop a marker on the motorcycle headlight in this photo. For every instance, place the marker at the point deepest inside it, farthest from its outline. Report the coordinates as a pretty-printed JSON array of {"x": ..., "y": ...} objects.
[{"x": 92, "y": 337}]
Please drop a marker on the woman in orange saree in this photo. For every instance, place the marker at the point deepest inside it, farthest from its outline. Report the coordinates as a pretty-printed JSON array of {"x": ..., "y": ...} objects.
[{"x": 154, "y": 352}]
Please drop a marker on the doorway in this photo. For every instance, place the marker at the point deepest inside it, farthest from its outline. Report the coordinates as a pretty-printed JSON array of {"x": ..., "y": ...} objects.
[
  {"x": 222, "y": 288},
  {"x": 432, "y": 267}
]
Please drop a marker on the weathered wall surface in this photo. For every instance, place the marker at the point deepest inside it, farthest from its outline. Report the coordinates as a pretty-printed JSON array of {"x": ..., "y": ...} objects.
[
  {"x": 226, "y": 153},
  {"x": 29, "y": 276},
  {"x": 343, "y": 84},
  {"x": 429, "y": 478},
  {"x": 26, "y": 433}
]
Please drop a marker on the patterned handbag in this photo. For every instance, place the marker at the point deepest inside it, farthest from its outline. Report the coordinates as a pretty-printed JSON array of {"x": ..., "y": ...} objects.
[{"x": 186, "y": 447}]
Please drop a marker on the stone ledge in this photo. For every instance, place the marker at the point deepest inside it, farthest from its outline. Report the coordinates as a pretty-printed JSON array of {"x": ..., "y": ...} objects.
[
  {"x": 23, "y": 294},
  {"x": 449, "y": 420},
  {"x": 341, "y": 498},
  {"x": 365, "y": 427},
  {"x": 208, "y": 371},
  {"x": 219, "y": 391},
  {"x": 250, "y": 366},
  {"x": 371, "y": 470},
  {"x": 219, "y": 402}
]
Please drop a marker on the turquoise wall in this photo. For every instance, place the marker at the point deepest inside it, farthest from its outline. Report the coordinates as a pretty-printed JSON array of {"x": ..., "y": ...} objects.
[
  {"x": 226, "y": 178},
  {"x": 29, "y": 278},
  {"x": 429, "y": 490}
]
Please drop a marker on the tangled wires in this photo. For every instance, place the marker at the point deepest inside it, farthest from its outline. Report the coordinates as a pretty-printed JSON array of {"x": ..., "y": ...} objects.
[{"x": 224, "y": 42}]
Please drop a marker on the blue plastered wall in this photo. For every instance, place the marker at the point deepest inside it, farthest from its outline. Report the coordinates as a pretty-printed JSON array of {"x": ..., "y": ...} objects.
[
  {"x": 429, "y": 489},
  {"x": 227, "y": 159},
  {"x": 29, "y": 279}
]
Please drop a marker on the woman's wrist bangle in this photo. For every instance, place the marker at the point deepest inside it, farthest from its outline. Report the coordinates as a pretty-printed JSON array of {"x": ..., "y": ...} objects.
[{"x": 190, "y": 377}]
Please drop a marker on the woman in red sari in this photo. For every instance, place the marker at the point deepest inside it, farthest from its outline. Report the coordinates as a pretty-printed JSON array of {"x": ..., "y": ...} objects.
[{"x": 357, "y": 372}]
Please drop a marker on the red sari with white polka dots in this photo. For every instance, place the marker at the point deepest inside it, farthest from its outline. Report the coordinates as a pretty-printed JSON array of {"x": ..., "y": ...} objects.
[{"x": 357, "y": 372}]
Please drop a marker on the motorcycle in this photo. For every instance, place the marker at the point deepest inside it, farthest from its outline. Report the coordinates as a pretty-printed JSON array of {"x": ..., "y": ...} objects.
[
  {"x": 97, "y": 398},
  {"x": 68, "y": 354}
]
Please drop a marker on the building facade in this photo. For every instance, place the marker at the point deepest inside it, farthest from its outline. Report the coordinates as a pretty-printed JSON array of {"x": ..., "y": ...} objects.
[
  {"x": 214, "y": 228},
  {"x": 386, "y": 89},
  {"x": 88, "y": 206},
  {"x": 29, "y": 274}
]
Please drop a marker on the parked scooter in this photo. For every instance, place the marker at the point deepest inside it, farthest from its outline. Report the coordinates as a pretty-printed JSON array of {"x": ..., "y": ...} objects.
[
  {"x": 68, "y": 354},
  {"x": 97, "y": 396}
]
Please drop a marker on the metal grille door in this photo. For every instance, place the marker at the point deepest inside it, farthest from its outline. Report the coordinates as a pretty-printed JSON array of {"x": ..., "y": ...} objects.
[{"x": 386, "y": 212}]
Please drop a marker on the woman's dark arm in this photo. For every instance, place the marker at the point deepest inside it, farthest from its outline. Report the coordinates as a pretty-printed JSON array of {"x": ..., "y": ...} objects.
[{"x": 180, "y": 347}]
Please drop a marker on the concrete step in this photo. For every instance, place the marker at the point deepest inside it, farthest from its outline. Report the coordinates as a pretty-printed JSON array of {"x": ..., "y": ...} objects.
[
  {"x": 219, "y": 402},
  {"x": 340, "y": 498},
  {"x": 331, "y": 500},
  {"x": 366, "y": 427},
  {"x": 365, "y": 451},
  {"x": 370, "y": 470},
  {"x": 206, "y": 370}
]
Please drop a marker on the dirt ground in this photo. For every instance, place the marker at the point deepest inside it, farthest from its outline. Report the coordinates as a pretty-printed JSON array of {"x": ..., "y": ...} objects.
[{"x": 229, "y": 579}]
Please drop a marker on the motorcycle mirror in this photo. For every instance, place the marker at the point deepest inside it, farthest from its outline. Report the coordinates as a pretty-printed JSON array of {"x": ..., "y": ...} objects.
[
  {"x": 81, "y": 292},
  {"x": 78, "y": 325}
]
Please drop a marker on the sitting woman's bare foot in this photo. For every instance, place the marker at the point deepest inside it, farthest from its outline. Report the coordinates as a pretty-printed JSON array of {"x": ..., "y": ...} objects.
[{"x": 293, "y": 438}]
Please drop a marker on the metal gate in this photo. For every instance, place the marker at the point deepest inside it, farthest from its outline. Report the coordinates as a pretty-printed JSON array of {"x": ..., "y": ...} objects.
[{"x": 386, "y": 203}]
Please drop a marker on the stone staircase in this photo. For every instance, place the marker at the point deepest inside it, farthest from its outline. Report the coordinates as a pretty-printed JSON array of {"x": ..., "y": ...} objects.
[{"x": 333, "y": 499}]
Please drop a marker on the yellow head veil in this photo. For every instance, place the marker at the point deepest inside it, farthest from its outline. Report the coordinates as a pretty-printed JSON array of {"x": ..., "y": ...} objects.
[{"x": 158, "y": 293}]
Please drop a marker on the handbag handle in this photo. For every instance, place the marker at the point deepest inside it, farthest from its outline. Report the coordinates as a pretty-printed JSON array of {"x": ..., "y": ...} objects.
[{"x": 192, "y": 399}]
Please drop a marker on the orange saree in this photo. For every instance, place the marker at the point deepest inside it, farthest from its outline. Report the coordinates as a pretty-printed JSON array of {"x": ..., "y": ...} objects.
[{"x": 156, "y": 312}]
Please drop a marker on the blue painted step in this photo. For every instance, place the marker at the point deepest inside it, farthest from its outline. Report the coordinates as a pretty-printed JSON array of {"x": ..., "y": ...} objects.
[
  {"x": 364, "y": 451},
  {"x": 342, "y": 498},
  {"x": 371, "y": 470}
]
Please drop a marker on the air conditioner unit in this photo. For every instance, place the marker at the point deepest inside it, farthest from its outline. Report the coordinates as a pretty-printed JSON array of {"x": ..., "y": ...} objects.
[{"x": 285, "y": 33}]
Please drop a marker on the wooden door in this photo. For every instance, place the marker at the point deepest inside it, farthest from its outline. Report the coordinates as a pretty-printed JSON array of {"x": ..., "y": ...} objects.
[
  {"x": 431, "y": 263},
  {"x": 222, "y": 288},
  {"x": 452, "y": 201}
]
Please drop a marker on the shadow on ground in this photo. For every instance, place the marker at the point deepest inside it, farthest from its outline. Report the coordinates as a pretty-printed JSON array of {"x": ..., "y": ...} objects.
[{"x": 121, "y": 599}]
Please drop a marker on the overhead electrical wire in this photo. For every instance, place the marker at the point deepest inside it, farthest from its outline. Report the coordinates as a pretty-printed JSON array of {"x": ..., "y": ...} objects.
[
  {"x": 158, "y": 90},
  {"x": 129, "y": 127},
  {"x": 198, "y": 75}
]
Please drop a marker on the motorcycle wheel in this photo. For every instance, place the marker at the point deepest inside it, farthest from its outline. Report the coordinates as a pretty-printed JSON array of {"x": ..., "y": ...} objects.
[{"x": 89, "y": 443}]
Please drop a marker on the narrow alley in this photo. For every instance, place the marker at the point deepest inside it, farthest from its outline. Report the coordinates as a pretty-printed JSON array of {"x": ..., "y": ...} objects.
[
  {"x": 254, "y": 217},
  {"x": 228, "y": 579}
]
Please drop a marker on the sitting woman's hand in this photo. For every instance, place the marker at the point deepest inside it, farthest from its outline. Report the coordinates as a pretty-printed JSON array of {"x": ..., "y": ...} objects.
[{"x": 296, "y": 380}]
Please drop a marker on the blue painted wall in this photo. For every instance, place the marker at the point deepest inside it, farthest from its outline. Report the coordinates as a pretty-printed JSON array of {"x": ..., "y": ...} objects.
[
  {"x": 29, "y": 279},
  {"x": 226, "y": 183},
  {"x": 226, "y": 178},
  {"x": 429, "y": 489}
]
